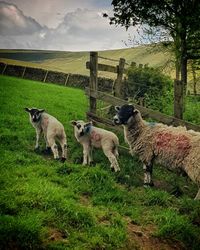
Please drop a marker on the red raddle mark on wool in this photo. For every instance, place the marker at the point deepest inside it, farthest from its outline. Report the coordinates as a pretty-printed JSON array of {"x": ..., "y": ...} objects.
[
  {"x": 165, "y": 141},
  {"x": 95, "y": 136}
]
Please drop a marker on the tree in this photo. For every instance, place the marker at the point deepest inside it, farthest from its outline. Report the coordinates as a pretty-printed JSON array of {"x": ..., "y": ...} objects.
[{"x": 179, "y": 18}]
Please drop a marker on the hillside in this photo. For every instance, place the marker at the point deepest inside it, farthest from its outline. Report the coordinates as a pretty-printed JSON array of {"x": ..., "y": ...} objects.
[
  {"x": 74, "y": 62},
  {"x": 49, "y": 205}
]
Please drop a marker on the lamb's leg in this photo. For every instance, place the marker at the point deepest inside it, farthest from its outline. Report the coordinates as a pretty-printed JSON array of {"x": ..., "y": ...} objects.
[
  {"x": 148, "y": 174},
  {"x": 48, "y": 148},
  {"x": 38, "y": 133},
  {"x": 90, "y": 156},
  {"x": 197, "y": 197},
  {"x": 111, "y": 157},
  {"x": 63, "y": 144},
  {"x": 53, "y": 146},
  {"x": 86, "y": 152},
  {"x": 115, "y": 151}
]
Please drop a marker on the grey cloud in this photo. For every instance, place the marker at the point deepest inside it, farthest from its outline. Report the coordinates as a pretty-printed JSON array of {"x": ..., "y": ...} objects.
[
  {"x": 14, "y": 22},
  {"x": 79, "y": 30}
]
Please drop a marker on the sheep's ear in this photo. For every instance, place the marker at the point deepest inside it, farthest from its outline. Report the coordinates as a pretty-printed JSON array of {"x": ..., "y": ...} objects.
[
  {"x": 27, "y": 110},
  {"x": 89, "y": 123},
  {"x": 73, "y": 123},
  {"x": 135, "y": 111},
  {"x": 41, "y": 110},
  {"x": 117, "y": 108}
]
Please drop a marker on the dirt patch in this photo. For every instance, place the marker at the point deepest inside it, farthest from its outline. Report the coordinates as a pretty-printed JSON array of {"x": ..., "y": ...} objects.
[
  {"x": 142, "y": 238},
  {"x": 56, "y": 235}
]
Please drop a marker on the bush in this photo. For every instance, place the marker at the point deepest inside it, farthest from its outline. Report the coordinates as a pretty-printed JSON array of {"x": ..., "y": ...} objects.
[{"x": 150, "y": 84}]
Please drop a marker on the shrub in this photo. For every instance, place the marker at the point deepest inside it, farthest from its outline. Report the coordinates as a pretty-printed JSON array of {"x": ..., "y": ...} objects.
[{"x": 151, "y": 84}]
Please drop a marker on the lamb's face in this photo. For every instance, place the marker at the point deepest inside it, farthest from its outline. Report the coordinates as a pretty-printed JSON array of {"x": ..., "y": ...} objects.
[
  {"x": 80, "y": 127},
  {"x": 123, "y": 114},
  {"x": 35, "y": 114}
]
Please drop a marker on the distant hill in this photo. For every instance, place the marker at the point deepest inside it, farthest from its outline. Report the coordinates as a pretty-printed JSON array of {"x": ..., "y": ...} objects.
[{"x": 74, "y": 62}]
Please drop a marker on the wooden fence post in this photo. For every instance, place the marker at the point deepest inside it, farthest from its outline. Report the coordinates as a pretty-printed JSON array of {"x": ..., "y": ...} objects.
[
  {"x": 93, "y": 79},
  {"x": 118, "y": 88},
  {"x": 23, "y": 73},
  {"x": 178, "y": 99}
]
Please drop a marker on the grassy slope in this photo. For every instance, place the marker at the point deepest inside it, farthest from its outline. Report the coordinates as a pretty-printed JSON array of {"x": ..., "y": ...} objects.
[
  {"x": 49, "y": 205},
  {"x": 74, "y": 62}
]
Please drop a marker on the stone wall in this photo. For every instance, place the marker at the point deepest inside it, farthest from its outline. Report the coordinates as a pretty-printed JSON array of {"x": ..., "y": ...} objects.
[{"x": 42, "y": 75}]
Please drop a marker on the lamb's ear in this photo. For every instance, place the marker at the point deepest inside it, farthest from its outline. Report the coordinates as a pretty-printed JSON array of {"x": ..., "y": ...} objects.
[
  {"x": 27, "y": 110},
  {"x": 73, "y": 123},
  {"x": 41, "y": 110},
  {"x": 117, "y": 108}
]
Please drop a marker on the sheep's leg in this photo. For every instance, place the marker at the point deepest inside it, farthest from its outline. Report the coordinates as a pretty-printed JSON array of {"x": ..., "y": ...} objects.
[
  {"x": 48, "y": 148},
  {"x": 38, "y": 133},
  {"x": 198, "y": 195},
  {"x": 53, "y": 146},
  {"x": 111, "y": 157},
  {"x": 116, "y": 152},
  {"x": 90, "y": 157},
  {"x": 148, "y": 174},
  {"x": 63, "y": 144},
  {"x": 86, "y": 152}
]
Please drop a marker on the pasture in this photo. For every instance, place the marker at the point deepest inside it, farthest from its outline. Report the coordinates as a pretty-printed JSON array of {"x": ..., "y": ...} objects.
[{"x": 45, "y": 204}]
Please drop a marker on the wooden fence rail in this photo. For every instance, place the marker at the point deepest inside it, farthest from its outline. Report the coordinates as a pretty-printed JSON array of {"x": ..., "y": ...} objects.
[
  {"x": 95, "y": 95},
  {"x": 146, "y": 112}
]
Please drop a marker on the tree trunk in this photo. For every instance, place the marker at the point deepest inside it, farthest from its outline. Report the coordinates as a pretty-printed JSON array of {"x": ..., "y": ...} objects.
[
  {"x": 181, "y": 68},
  {"x": 194, "y": 78}
]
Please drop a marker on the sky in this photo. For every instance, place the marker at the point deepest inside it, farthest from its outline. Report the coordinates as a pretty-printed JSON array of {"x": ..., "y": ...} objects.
[{"x": 66, "y": 25}]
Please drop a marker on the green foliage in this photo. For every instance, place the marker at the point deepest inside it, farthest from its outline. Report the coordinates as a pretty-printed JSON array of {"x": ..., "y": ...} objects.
[{"x": 151, "y": 84}]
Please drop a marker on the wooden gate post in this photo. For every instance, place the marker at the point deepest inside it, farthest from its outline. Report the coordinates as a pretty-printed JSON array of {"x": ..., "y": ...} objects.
[
  {"x": 118, "y": 88},
  {"x": 93, "y": 79}
]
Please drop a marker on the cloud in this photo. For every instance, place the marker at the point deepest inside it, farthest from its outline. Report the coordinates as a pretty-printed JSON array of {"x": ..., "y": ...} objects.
[
  {"x": 79, "y": 30},
  {"x": 14, "y": 22},
  {"x": 85, "y": 29}
]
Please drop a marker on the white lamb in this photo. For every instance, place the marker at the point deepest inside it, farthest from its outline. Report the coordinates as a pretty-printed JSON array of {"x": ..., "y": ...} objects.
[
  {"x": 172, "y": 147},
  {"x": 90, "y": 136},
  {"x": 51, "y": 128}
]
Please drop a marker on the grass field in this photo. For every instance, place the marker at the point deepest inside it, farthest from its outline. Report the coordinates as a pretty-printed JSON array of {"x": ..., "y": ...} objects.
[
  {"x": 74, "y": 62},
  {"x": 49, "y": 205}
]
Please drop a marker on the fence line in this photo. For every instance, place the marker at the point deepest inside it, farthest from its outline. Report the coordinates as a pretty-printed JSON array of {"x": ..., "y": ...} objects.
[{"x": 146, "y": 112}]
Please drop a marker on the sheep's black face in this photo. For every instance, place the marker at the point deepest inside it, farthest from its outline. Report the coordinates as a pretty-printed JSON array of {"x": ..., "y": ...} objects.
[
  {"x": 81, "y": 128},
  {"x": 123, "y": 114},
  {"x": 35, "y": 114}
]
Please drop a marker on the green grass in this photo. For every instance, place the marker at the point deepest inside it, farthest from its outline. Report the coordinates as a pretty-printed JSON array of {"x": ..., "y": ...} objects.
[{"x": 48, "y": 205}]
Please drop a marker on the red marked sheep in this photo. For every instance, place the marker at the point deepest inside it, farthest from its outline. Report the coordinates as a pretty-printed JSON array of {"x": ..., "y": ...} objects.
[
  {"x": 172, "y": 147},
  {"x": 90, "y": 136}
]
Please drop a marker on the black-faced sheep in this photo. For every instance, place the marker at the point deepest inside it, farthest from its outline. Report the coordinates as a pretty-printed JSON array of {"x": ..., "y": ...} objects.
[
  {"x": 51, "y": 128},
  {"x": 90, "y": 136},
  {"x": 172, "y": 147}
]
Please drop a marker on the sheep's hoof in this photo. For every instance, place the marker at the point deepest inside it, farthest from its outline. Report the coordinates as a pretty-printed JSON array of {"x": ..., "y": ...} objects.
[
  {"x": 112, "y": 169},
  {"x": 37, "y": 150},
  {"x": 63, "y": 159},
  {"x": 147, "y": 185},
  {"x": 47, "y": 151},
  {"x": 57, "y": 159}
]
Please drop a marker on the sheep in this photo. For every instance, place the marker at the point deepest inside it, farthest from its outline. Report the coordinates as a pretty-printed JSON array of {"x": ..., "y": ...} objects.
[
  {"x": 90, "y": 136},
  {"x": 172, "y": 147},
  {"x": 51, "y": 128}
]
